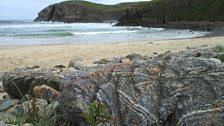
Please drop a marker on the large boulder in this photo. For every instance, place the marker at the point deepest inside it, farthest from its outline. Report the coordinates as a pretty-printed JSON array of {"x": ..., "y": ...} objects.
[
  {"x": 185, "y": 88},
  {"x": 20, "y": 82}
]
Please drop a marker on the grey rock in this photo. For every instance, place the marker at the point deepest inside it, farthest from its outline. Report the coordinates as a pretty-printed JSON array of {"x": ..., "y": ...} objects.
[
  {"x": 27, "y": 124},
  {"x": 134, "y": 56},
  {"x": 24, "y": 109},
  {"x": 7, "y": 103},
  {"x": 6, "y": 119},
  {"x": 3, "y": 96},
  {"x": 2, "y": 123},
  {"x": 102, "y": 61},
  {"x": 77, "y": 64},
  {"x": 216, "y": 60},
  {"x": 20, "y": 82},
  {"x": 184, "y": 89},
  {"x": 1, "y": 87}
]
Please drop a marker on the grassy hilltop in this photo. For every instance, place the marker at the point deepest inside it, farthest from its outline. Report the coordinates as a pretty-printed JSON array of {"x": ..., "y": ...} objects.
[{"x": 84, "y": 11}]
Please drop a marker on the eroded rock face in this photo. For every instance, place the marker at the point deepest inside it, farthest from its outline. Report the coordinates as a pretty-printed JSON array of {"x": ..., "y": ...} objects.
[{"x": 185, "y": 88}]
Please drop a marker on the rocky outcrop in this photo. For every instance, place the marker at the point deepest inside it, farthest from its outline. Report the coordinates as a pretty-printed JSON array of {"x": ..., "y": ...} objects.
[
  {"x": 170, "y": 89},
  {"x": 80, "y": 11}
]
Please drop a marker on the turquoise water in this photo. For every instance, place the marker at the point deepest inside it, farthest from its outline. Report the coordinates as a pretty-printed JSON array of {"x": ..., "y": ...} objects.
[{"x": 31, "y": 33}]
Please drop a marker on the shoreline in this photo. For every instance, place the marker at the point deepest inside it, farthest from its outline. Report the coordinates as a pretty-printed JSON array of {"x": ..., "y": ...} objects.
[{"x": 47, "y": 56}]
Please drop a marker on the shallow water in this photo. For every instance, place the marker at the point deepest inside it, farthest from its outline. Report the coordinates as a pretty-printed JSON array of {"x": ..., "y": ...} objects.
[{"x": 31, "y": 33}]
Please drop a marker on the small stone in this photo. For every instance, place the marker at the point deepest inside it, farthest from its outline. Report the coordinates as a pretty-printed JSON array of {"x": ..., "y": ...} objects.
[
  {"x": 125, "y": 60},
  {"x": 215, "y": 60},
  {"x": 34, "y": 67},
  {"x": 155, "y": 53},
  {"x": 27, "y": 124},
  {"x": 60, "y": 66},
  {"x": 2, "y": 123},
  {"x": 45, "y": 92},
  {"x": 134, "y": 56},
  {"x": 7, "y": 103},
  {"x": 168, "y": 52},
  {"x": 2, "y": 96},
  {"x": 204, "y": 45},
  {"x": 1, "y": 87},
  {"x": 22, "y": 110},
  {"x": 102, "y": 61},
  {"x": 78, "y": 65},
  {"x": 5, "y": 96},
  {"x": 167, "y": 58},
  {"x": 198, "y": 54},
  {"x": 7, "y": 118}
]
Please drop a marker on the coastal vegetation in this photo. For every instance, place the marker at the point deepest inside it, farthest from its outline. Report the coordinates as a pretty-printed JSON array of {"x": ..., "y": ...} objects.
[
  {"x": 220, "y": 50},
  {"x": 164, "y": 11},
  {"x": 83, "y": 11}
]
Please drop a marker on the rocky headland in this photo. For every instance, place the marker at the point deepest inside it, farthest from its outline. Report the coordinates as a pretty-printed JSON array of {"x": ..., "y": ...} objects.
[
  {"x": 184, "y": 88},
  {"x": 205, "y": 15},
  {"x": 82, "y": 11}
]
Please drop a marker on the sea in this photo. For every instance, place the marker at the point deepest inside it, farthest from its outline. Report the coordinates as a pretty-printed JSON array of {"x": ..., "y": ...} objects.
[{"x": 39, "y": 33}]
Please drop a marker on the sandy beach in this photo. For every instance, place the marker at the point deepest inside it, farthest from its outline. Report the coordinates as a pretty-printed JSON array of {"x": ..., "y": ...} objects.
[{"x": 46, "y": 56}]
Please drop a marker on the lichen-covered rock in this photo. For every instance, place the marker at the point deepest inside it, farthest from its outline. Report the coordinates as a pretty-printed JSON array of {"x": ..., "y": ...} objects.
[
  {"x": 45, "y": 92},
  {"x": 24, "y": 109},
  {"x": 20, "y": 82},
  {"x": 185, "y": 88},
  {"x": 7, "y": 119}
]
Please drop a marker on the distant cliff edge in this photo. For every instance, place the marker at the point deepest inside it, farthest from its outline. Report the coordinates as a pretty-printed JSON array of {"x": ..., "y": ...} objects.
[
  {"x": 83, "y": 11},
  {"x": 187, "y": 14}
]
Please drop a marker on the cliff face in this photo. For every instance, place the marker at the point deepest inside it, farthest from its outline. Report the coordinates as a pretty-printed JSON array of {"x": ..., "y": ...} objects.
[
  {"x": 166, "y": 11},
  {"x": 139, "y": 13},
  {"x": 81, "y": 11}
]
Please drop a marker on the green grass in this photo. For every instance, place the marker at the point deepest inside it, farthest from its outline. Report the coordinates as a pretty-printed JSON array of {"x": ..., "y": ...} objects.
[
  {"x": 180, "y": 10},
  {"x": 211, "y": 10},
  {"x": 97, "y": 114},
  {"x": 109, "y": 8},
  {"x": 220, "y": 51}
]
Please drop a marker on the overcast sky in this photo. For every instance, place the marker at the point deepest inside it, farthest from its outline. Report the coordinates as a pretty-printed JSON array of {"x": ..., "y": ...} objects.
[{"x": 28, "y": 9}]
